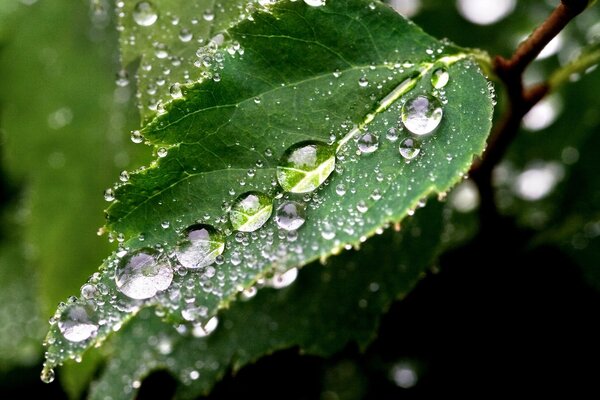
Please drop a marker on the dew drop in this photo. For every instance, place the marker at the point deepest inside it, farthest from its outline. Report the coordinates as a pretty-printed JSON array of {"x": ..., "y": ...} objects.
[
  {"x": 208, "y": 15},
  {"x": 409, "y": 148},
  {"x": 162, "y": 152},
  {"x": 109, "y": 194},
  {"x": 305, "y": 166},
  {"x": 175, "y": 91},
  {"x": 363, "y": 81},
  {"x": 122, "y": 79},
  {"x": 144, "y": 13},
  {"x": 422, "y": 114},
  {"x": 392, "y": 134},
  {"x": 201, "y": 246},
  {"x": 137, "y": 137},
  {"x": 368, "y": 143},
  {"x": 124, "y": 176},
  {"x": 141, "y": 274},
  {"x": 440, "y": 78},
  {"x": 340, "y": 189},
  {"x": 185, "y": 35},
  {"x": 47, "y": 375},
  {"x": 290, "y": 215},
  {"x": 281, "y": 280},
  {"x": 78, "y": 322},
  {"x": 203, "y": 330},
  {"x": 250, "y": 211}
]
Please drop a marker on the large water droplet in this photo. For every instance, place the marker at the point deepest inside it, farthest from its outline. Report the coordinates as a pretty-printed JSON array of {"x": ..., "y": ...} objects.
[
  {"x": 409, "y": 148},
  {"x": 440, "y": 78},
  {"x": 144, "y": 13},
  {"x": 201, "y": 247},
  {"x": 305, "y": 166},
  {"x": 47, "y": 375},
  {"x": 141, "y": 274},
  {"x": 250, "y": 211},
  {"x": 290, "y": 215},
  {"x": 422, "y": 114},
  {"x": 368, "y": 142},
  {"x": 78, "y": 322}
]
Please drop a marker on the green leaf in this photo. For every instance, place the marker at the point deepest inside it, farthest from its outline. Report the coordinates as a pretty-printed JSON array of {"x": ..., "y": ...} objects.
[
  {"x": 340, "y": 74},
  {"x": 331, "y": 305},
  {"x": 166, "y": 36}
]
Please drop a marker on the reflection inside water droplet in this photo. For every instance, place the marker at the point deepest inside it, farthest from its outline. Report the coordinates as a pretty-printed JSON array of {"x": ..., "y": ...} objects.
[
  {"x": 141, "y": 274},
  {"x": 305, "y": 166},
  {"x": 201, "y": 246},
  {"x": 78, "y": 322},
  {"x": 422, "y": 114},
  {"x": 290, "y": 215},
  {"x": 250, "y": 211}
]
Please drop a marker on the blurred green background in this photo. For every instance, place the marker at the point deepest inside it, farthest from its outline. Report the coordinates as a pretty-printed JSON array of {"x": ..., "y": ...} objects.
[{"x": 514, "y": 308}]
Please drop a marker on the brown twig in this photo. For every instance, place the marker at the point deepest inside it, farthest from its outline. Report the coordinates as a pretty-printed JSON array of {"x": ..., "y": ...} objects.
[{"x": 520, "y": 100}]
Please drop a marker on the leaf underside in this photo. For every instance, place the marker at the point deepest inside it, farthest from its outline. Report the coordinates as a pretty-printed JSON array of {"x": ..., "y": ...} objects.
[{"x": 297, "y": 80}]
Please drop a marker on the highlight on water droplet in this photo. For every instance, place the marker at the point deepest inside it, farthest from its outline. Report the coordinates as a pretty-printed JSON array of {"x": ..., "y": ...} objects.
[
  {"x": 143, "y": 273},
  {"x": 144, "y": 13},
  {"x": 440, "y": 78},
  {"x": 305, "y": 166},
  {"x": 201, "y": 246},
  {"x": 409, "y": 148},
  {"x": 368, "y": 143},
  {"x": 290, "y": 215},
  {"x": 315, "y": 3},
  {"x": 78, "y": 322},
  {"x": 422, "y": 114},
  {"x": 250, "y": 211}
]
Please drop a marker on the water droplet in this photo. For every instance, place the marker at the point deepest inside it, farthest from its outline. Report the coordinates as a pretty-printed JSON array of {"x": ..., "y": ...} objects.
[
  {"x": 47, "y": 375},
  {"x": 144, "y": 13},
  {"x": 290, "y": 215},
  {"x": 141, "y": 274},
  {"x": 122, "y": 78},
  {"x": 362, "y": 207},
  {"x": 78, "y": 322},
  {"x": 185, "y": 35},
  {"x": 175, "y": 91},
  {"x": 89, "y": 291},
  {"x": 162, "y": 152},
  {"x": 368, "y": 143},
  {"x": 208, "y": 15},
  {"x": 340, "y": 189},
  {"x": 109, "y": 194},
  {"x": 327, "y": 231},
  {"x": 201, "y": 246},
  {"x": 281, "y": 280},
  {"x": 363, "y": 81},
  {"x": 137, "y": 137},
  {"x": 409, "y": 148},
  {"x": 315, "y": 3},
  {"x": 124, "y": 176},
  {"x": 203, "y": 330},
  {"x": 392, "y": 134},
  {"x": 305, "y": 166},
  {"x": 250, "y": 211},
  {"x": 440, "y": 78},
  {"x": 422, "y": 114}
]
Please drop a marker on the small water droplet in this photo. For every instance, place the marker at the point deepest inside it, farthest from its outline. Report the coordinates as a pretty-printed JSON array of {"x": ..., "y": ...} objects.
[
  {"x": 340, "y": 189},
  {"x": 368, "y": 143},
  {"x": 144, "y": 13},
  {"x": 162, "y": 152},
  {"x": 290, "y": 215},
  {"x": 208, "y": 15},
  {"x": 109, "y": 194},
  {"x": 409, "y": 148},
  {"x": 201, "y": 246},
  {"x": 122, "y": 78},
  {"x": 327, "y": 231},
  {"x": 439, "y": 78},
  {"x": 281, "y": 280},
  {"x": 305, "y": 166},
  {"x": 422, "y": 114},
  {"x": 203, "y": 330},
  {"x": 175, "y": 91},
  {"x": 363, "y": 81},
  {"x": 250, "y": 211},
  {"x": 137, "y": 137},
  {"x": 78, "y": 322},
  {"x": 124, "y": 176},
  {"x": 47, "y": 375},
  {"x": 392, "y": 134},
  {"x": 141, "y": 274},
  {"x": 185, "y": 35},
  {"x": 362, "y": 207}
]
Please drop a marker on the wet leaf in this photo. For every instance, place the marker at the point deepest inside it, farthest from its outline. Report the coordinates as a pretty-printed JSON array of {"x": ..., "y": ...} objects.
[{"x": 363, "y": 80}]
